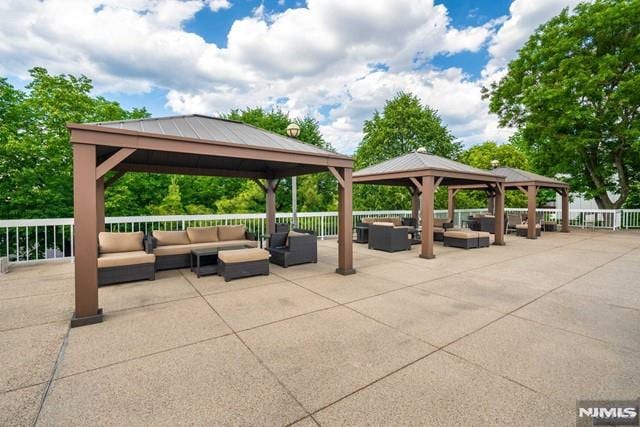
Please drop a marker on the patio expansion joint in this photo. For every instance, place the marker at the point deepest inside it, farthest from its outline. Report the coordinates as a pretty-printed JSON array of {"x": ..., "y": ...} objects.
[
  {"x": 260, "y": 361},
  {"x": 49, "y": 382}
]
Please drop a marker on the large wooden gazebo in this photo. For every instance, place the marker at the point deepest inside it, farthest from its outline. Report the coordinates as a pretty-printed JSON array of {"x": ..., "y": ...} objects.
[
  {"x": 422, "y": 174},
  {"x": 529, "y": 183},
  {"x": 188, "y": 145}
]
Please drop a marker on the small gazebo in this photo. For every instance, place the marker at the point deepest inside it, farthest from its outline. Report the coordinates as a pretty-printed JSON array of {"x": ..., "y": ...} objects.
[
  {"x": 187, "y": 145},
  {"x": 529, "y": 183},
  {"x": 422, "y": 174}
]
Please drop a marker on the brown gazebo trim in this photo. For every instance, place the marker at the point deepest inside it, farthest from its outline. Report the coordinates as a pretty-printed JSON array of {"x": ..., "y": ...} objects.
[
  {"x": 425, "y": 180},
  {"x": 530, "y": 186},
  {"x": 101, "y": 148}
]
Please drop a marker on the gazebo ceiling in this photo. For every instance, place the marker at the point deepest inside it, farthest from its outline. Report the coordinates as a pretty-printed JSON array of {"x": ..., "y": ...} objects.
[{"x": 400, "y": 170}]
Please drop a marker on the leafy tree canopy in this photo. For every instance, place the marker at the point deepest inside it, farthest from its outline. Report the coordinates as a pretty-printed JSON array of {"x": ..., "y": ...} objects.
[
  {"x": 35, "y": 154},
  {"x": 403, "y": 126},
  {"x": 574, "y": 92}
]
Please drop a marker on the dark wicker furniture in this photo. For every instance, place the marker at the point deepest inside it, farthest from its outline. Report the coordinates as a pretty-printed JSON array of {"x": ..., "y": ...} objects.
[
  {"x": 235, "y": 264},
  {"x": 183, "y": 260},
  {"x": 389, "y": 238},
  {"x": 293, "y": 248},
  {"x": 199, "y": 256},
  {"x": 466, "y": 239},
  {"x": 522, "y": 230},
  {"x": 110, "y": 275}
]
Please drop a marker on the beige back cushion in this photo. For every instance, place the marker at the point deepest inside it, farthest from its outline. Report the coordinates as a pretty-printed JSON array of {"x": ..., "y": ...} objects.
[
  {"x": 166, "y": 238},
  {"x": 120, "y": 242},
  {"x": 202, "y": 234},
  {"x": 439, "y": 222},
  {"x": 385, "y": 224},
  {"x": 231, "y": 232}
]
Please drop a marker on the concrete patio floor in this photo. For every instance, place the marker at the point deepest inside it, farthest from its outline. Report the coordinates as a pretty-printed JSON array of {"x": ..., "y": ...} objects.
[{"x": 509, "y": 335}]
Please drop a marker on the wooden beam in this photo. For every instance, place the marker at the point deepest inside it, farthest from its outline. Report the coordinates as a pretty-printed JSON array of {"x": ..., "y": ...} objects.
[
  {"x": 345, "y": 225},
  {"x": 108, "y": 183},
  {"x": 524, "y": 190},
  {"x": 335, "y": 173},
  {"x": 260, "y": 184},
  {"x": 99, "y": 136},
  {"x": 86, "y": 243},
  {"x": 113, "y": 161},
  {"x": 565, "y": 210},
  {"x": 183, "y": 170},
  {"x": 416, "y": 183},
  {"x": 427, "y": 218},
  {"x": 531, "y": 212},
  {"x": 437, "y": 184},
  {"x": 498, "y": 207},
  {"x": 276, "y": 183}
]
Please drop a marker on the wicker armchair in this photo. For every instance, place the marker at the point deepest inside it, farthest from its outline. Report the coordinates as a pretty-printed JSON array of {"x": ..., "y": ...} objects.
[
  {"x": 389, "y": 238},
  {"x": 293, "y": 247}
]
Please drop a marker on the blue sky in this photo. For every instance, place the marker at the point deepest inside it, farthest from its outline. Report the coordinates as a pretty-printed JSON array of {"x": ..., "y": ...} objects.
[{"x": 335, "y": 60}]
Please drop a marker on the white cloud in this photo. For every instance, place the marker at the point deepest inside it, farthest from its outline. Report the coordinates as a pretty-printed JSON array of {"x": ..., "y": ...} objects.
[
  {"x": 525, "y": 17},
  {"x": 314, "y": 59},
  {"x": 216, "y": 5}
]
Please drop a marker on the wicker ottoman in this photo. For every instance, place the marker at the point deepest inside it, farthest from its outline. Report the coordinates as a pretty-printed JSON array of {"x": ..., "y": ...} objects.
[
  {"x": 236, "y": 263},
  {"x": 523, "y": 229},
  {"x": 466, "y": 239}
]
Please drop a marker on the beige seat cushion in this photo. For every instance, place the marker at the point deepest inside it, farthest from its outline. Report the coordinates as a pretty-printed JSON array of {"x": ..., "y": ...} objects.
[
  {"x": 525, "y": 226},
  {"x": 125, "y": 258},
  {"x": 463, "y": 234},
  {"x": 202, "y": 234},
  {"x": 293, "y": 233},
  {"x": 165, "y": 238},
  {"x": 483, "y": 234},
  {"x": 384, "y": 224},
  {"x": 438, "y": 230},
  {"x": 120, "y": 242},
  {"x": 243, "y": 255},
  {"x": 231, "y": 232},
  {"x": 185, "y": 249}
]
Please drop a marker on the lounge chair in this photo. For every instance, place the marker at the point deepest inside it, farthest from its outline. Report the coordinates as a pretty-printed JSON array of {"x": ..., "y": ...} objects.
[
  {"x": 385, "y": 236},
  {"x": 293, "y": 247}
]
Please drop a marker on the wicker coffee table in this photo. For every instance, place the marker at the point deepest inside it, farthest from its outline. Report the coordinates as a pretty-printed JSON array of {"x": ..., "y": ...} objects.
[{"x": 204, "y": 262}]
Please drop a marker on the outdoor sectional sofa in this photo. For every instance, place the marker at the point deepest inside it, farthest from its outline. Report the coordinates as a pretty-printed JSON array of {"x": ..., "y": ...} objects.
[
  {"x": 441, "y": 225},
  {"x": 124, "y": 257},
  {"x": 172, "y": 249}
]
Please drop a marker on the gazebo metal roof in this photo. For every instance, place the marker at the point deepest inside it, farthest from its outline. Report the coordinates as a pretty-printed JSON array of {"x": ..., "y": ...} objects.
[
  {"x": 516, "y": 176},
  {"x": 202, "y": 145},
  {"x": 207, "y": 128},
  {"x": 400, "y": 170}
]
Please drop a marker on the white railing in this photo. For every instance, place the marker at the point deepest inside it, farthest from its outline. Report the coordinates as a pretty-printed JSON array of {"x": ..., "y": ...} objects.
[{"x": 49, "y": 239}]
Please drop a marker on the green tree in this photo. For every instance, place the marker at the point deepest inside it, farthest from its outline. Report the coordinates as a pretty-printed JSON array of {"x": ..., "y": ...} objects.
[
  {"x": 35, "y": 154},
  {"x": 481, "y": 156},
  {"x": 315, "y": 192},
  {"x": 574, "y": 92},
  {"x": 403, "y": 126}
]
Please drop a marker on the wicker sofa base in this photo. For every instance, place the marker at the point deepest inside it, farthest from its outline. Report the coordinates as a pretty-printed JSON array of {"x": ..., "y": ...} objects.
[
  {"x": 523, "y": 232},
  {"x": 170, "y": 262},
  {"x": 243, "y": 269},
  {"x": 476, "y": 242},
  {"x": 126, "y": 273},
  {"x": 438, "y": 236}
]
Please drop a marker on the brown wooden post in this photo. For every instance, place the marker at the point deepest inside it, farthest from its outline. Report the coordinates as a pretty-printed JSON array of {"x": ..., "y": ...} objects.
[
  {"x": 345, "y": 223},
  {"x": 427, "y": 218},
  {"x": 499, "y": 214},
  {"x": 415, "y": 205},
  {"x": 451, "y": 203},
  {"x": 532, "y": 192},
  {"x": 271, "y": 205},
  {"x": 491, "y": 202},
  {"x": 565, "y": 210},
  {"x": 85, "y": 235},
  {"x": 100, "y": 204}
]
